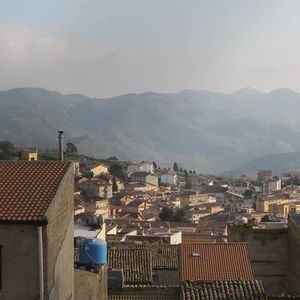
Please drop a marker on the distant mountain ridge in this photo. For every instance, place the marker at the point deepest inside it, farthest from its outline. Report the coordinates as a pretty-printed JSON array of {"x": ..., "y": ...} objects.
[
  {"x": 207, "y": 131},
  {"x": 279, "y": 163}
]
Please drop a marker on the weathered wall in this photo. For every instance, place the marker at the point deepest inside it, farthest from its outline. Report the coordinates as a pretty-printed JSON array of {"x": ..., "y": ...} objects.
[
  {"x": 58, "y": 243},
  {"x": 89, "y": 285},
  {"x": 165, "y": 277},
  {"x": 268, "y": 249},
  {"x": 19, "y": 263},
  {"x": 294, "y": 256}
]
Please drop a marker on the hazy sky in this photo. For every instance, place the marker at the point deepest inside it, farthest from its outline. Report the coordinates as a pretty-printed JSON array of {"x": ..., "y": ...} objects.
[{"x": 104, "y": 48}]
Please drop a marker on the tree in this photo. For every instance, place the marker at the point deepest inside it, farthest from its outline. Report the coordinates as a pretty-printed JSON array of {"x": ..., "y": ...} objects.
[
  {"x": 166, "y": 214},
  {"x": 175, "y": 167},
  {"x": 180, "y": 170},
  {"x": 180, "y": 215},
  {"x": 114, "y": 184},
  {"x": 118, "y": 169},
  {"x": 7, "y": 150},
  {"x": 154, "y": 165},
  {"x": 188, "y": 182},
  {"x": 113, "y": 158},
  {"x": 71, "y": 149}
]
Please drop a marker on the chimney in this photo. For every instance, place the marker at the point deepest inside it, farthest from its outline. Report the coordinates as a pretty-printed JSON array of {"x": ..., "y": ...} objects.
[{"x": 61, "y": 145}]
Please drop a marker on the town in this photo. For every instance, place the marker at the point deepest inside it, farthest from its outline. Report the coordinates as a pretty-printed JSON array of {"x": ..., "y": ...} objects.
[{"x": 75, "y": 227}]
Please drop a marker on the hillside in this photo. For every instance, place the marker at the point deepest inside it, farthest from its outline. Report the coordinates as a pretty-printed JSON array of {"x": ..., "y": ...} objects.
[
  {"x": 278, "y": 163},
  {"x": 207, "y": 131}
]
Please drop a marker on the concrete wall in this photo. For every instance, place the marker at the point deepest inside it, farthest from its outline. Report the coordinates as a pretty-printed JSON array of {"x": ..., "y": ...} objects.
[
  {"x": 294, "y": 257},
  {"x": 268, "y": 250},
  {"x": 19, "y": 262},
  {"x": 58, "y": 243},
  {"x": 90, "y": 285}
]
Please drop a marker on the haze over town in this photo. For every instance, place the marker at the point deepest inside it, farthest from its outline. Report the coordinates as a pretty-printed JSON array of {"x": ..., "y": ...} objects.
[
  {"x": 149, "y": 150},
  {"x": 108, "y": 48}
]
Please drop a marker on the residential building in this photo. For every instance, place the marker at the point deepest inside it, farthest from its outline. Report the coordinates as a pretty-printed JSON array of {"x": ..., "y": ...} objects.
[
  {"x": 264, "y": 175},
  {"x": 99, "y": 169},
  {"x": 30, "y": 154},
  {"x": 134, "y": 167},
  {"x": 36, "y": 230},
  {"x": 271, "y": 185},
  {"x": 225, "y": 290},
  {"x": 147, "y": 166},
  {"x": 169, "y": 177},
  {"x": 97, "y": 187},
  {"x": 218, "y": 261}
]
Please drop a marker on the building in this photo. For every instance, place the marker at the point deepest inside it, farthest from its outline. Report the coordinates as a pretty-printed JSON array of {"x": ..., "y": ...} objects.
[
  {"x": 241, "y": 185},
  {"x": 264, "y": 175},
  {"x": 97, "y": 187},
  {"x": 218, "y": 261},
  {"x": 169, "y": 177},
  {"x": 99, "y": 169},
  {"x": 36, "y": 230},
  {"x": 30, "y": 154},
  {"x": 225, "y": 290},
  {"x": 134, "y": 167},
  {"x": 147, "y": 166},
  {"x": 271, "y": 185}
]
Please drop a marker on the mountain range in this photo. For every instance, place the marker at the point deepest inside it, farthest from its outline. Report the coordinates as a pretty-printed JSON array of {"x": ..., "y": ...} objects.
[{"x": 207, "y": 131}]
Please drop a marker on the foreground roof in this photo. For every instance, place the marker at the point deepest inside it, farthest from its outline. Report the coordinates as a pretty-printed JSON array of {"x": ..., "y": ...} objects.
[
  {"x": 135, "y": 262},
  {"x": 224, "y": 261},
  {"x": 223, "y": 290},
  {"x": 27, "y": 189},
  {"x": 145, "y": 293}
]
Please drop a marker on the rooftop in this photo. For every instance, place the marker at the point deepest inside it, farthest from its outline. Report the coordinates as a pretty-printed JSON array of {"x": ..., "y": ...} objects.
[
  {"x": 215, "y": 262},
  {"x": 222, "y": 290},
  {"x": 27, "y": 189},
  {"x": 145, "y": 293},
  {"x": 135, "y": 262}
]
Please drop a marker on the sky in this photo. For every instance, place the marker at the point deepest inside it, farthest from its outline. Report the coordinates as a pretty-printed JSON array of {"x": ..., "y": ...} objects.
[{"x": 107, "y": 48}]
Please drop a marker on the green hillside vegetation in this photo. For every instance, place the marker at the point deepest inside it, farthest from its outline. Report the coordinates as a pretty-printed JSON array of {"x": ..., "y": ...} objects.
[{"x": 202, "y": 130}]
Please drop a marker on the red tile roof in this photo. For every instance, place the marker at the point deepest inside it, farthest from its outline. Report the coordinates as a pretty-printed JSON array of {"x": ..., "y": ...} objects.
[
  {"x": 215, "y": 262},
  {"x": 27, "y": 189}
]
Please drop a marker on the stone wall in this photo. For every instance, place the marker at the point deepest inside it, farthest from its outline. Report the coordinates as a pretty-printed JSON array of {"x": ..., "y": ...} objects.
[
  {"x": 90, "y": 285},
  {"x": 19, "y": 262},
  {"x": 268, "y": 249}
]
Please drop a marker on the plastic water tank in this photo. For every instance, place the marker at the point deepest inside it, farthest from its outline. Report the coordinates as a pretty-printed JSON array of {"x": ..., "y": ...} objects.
[{"x": 93, "y": 251}]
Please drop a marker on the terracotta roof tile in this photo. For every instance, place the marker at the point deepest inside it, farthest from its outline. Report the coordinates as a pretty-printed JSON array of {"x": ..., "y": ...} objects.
[
  {"x": 135, "y": 262},
  {"x": 165, "y": 256},
  {"x": 27, "y": 188},
  {"x": 223, "y": 290},
  {"x": 145, "y": 293},
  {"x": 215, "y": 262}
]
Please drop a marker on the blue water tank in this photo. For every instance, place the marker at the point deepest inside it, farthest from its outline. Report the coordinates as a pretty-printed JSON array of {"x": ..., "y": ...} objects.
[{"x": 93, "y": 251}]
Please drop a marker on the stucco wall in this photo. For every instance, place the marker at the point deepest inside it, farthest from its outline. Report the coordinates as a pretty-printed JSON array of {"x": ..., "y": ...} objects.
[
  {"x": 58, "y": 243},
  {"x": 89, "y": 285},
  {"x": 268, "y": 249},
  {"x": 294, "y": 257},
  {"x": 19, "y": 262}
]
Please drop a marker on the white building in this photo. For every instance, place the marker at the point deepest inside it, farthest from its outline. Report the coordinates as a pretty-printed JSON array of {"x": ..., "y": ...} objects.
[
  {"x": 169, "y": 177},
  {"x": 147, "y": 166},
  {"x": 271, "y": 185},
  {"x": 135, "y": 167}
]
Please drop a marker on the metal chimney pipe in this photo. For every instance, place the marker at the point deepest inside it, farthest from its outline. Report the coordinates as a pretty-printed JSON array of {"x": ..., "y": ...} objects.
[{"x": 61, "y": 145}]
